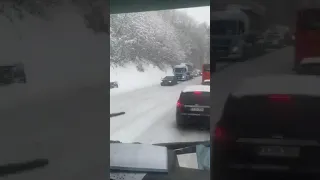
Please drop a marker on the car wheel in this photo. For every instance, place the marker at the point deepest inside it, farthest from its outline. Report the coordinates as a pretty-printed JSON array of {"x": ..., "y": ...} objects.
[{"x": 179, "y": 121}]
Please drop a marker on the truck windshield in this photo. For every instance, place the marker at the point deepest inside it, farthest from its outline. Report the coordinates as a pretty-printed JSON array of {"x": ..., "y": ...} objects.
[
  {"x": 310, "y": 20},
  {"x": 180, "y": 70},
  {"x": 223, "y": 27},
  {"x": 206, "y": 68}
]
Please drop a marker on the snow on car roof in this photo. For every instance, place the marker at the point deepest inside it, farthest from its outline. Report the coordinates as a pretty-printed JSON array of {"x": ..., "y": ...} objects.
[
  {"x": 197, "y": 88},
  {"x": 279, "y": 84}
]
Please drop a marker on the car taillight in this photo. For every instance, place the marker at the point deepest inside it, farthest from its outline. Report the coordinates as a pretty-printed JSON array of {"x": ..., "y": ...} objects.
[
  {"x": 197, "y": 92},
  {"x": 220, "y": 134},
  {"x": 279, "y": 98},
  {"x": 179, "y": 104}
]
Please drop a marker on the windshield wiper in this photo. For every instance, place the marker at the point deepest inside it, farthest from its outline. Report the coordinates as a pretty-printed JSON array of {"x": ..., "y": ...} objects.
[
  {"x": 14, "y": 168},
  {"x": 116, "y": 114}
]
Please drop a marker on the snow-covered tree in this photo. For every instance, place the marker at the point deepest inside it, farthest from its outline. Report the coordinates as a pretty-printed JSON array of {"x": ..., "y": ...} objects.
[
  {"x": 146, "y": 36},
  {"x": 163, "y": 37}
]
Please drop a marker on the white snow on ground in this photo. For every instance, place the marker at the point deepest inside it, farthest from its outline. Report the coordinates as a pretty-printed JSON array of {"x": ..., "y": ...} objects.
[
  {"x": 129, "y": 78},
  {"x": 150, "y": 112},
  {"x": 59, "y": 55}
]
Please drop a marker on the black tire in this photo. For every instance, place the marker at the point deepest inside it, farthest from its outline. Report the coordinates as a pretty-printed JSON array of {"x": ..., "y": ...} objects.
[{"x": 179, "y": 121}]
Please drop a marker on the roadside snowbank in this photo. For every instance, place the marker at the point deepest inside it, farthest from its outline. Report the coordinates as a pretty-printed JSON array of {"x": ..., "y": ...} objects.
[
  {"x": 59, "y": 55},
  {"x": 129, "y": 78}
]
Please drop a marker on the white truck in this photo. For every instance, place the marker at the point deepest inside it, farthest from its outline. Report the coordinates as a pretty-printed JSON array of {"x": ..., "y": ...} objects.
[
  {"x": 183, "y": 71},
  {"x": 232, "y": 32}
]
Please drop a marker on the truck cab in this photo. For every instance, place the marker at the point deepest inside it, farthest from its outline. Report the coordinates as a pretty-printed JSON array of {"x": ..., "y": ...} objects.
[
  {"x": 228, "y": 34},
  {"x": 183, "y": 72},
  {"x": 234, "y": 32}
]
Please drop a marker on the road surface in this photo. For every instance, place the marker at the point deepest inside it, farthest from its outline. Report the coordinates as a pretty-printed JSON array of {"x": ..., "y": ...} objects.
[
  {"x": 150, "y": 112},
  {"x": 150, "y": 115},
  {"x": 70, "y": 130}
]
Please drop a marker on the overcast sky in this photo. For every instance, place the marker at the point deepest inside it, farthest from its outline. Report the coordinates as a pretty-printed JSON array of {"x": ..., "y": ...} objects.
[{"x": 201, "y": 14}]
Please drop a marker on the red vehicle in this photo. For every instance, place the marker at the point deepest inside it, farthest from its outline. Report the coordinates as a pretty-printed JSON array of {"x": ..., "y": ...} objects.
[
  {"x": 205, "y": 72},
  {"x": 307, "y": 40}
]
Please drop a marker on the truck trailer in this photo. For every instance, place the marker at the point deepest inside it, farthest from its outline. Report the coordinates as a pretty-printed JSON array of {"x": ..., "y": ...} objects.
[{"x": 233, "y": 32}]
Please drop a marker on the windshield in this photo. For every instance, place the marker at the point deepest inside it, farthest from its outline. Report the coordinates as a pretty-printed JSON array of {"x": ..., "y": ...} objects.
[
  {"x": 225, "y": 27},
  {"x": 169, "y": 78},
  {"x": 310, "y": 20},
  {"x": 180, "y": 70},
  {"x": 147, "y": 48},
  {"x": 296, "y": 114},
  {"x": 206, "y": 67}
]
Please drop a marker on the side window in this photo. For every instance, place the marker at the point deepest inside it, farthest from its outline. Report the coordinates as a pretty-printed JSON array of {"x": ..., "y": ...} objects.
[{"x": 241, "y": 27}]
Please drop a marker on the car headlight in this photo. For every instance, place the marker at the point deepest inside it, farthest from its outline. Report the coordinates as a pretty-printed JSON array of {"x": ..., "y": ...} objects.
[{"x": 169, "y": 81}]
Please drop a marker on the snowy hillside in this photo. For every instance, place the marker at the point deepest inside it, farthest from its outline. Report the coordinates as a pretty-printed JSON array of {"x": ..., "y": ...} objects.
[
  {"x": 129, "y": 78},
  {"x": 160, "y": 37},
  {"x": 58, "y": 55}
]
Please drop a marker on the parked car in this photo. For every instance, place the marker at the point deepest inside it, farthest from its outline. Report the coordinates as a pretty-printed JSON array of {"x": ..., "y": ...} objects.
[{"x": 114, "y": 85}]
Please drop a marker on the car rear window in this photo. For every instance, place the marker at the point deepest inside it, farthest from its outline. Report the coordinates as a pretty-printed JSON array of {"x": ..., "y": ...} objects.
[
  {"x": 191, "y": 98},
  {"x": 294, "y": 114},
  {"x": 169, "y": 78}
]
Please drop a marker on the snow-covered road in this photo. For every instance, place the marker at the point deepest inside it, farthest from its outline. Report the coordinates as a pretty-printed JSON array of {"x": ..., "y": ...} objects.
[
  {"x": 150, "y": 112},
  {"x": 150, "y": 115}
]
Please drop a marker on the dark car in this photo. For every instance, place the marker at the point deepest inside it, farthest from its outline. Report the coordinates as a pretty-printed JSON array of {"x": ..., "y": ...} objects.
[
  {"x": 169, "y": 81},
  {"x": 193, "y": 106},
  {"x": 269, "y": 125},
  {"x": 114, "y": 85}
]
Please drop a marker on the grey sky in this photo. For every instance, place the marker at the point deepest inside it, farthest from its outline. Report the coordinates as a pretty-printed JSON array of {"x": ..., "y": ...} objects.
[{"x": 201, "y": 14}]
